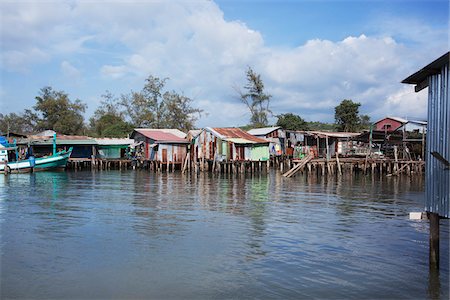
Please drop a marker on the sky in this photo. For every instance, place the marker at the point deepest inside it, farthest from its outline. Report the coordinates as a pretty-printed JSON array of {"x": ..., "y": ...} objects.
[{"x": 310, "y": 54}]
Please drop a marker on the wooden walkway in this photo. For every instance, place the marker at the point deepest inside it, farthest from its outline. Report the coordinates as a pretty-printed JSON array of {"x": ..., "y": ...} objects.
[{"x": 389, "y": 167}]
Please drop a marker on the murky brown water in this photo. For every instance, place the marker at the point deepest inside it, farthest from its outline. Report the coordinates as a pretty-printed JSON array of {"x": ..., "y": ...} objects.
[{"x": 143, "y": 235}]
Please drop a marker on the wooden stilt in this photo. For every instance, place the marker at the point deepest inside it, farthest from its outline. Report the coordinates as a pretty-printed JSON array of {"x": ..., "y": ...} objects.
[{"x": 434, "y": 239}]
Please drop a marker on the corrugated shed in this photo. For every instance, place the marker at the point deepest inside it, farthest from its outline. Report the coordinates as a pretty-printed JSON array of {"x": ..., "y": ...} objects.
[
  {"x": 437, "y": 177},
  {"x": 227, "y": 133},
  {"x": 62, "y": 140}
]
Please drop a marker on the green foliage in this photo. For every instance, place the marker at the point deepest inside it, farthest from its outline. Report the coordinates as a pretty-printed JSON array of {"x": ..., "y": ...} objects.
[
  {"x": 178, "y": 112},
  {"x": 58, "y": 112},
  {"x": 290, "y": 121},
  {"x": 364, "y": 122},
  {"x": 346, "y": 116},
  {"x": 256, "y": 99},
  {"x": 118, "y": 129},
  {"x": 108, "y": 120},
  {"x": 152, "y": 107},
  {"x": 320, "y": 126},
  {"x": 18, "y": 123}
]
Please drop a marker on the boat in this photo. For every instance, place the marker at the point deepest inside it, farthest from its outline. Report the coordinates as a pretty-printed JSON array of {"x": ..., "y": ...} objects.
[
  {"x": 55, "y": 161},
  {"x": 58, "y": 160}
]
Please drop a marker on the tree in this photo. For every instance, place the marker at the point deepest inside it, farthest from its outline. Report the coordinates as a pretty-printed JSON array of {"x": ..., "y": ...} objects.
[
  {"x": 108, "y": 120},
  {"x": 290, "y": 121},
  {"x": 55, "y": 111},
  {"x": 364, "y": 121},
  {"x": 18, "y": 123},
  {"x": 144, "y": 108},
  {"x": 346, "y": 116},
  {"x": 152, "y": 107},
  {"x": 316, "y": 125},
  {"x": 256, "y": 99},
  {"x": 178, "y": 112}
]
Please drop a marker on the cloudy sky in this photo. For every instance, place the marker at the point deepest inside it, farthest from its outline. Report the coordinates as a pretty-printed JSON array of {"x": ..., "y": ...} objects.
[{"x": 310, "y": 54}]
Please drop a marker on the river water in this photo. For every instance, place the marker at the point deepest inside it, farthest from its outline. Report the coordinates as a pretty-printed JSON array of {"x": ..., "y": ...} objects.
[{"x": 135, "y": 234}]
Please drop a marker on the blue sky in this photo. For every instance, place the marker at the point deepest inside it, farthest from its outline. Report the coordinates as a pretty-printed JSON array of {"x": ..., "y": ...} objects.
[{"x": 310, "y": 54}]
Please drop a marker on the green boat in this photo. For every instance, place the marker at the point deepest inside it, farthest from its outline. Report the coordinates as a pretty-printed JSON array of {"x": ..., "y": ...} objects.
[{"x": 58, "y": 160}]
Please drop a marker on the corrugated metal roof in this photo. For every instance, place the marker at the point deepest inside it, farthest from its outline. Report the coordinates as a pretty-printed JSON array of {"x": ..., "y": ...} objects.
[
  {"x": 162, "y": 135},
  {"x": 62, "y": 140},
  {"x": 263, "y": 131},
  {"x": 113, "y": 141},
  {"x": 241, "y": 141},
  {"x": 401, "y": 120},
  {"x": 333, "y": 134},
  {"x": 430, "y": 69},
  {"x": 228, "y": 133},
  {"x": 175, "y": 132}
]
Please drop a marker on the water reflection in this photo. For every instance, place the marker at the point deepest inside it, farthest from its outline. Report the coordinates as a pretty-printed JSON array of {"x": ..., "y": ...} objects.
[{"x": 134, "y": 234}]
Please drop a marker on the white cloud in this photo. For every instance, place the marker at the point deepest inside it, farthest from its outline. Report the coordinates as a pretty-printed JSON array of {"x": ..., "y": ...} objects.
[
  {"x": 114, "y": 72},
  {"x": 205, "y": 56},
  {"x": 20, "y": 60},
  {"x": 70, "y": 71}
]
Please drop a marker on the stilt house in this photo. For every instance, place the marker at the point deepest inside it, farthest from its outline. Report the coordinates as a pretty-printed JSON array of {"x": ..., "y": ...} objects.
[
  {"x": 229, "y": 144},
  {"x": 113, "y": 148},
  {"x": 160, "y": 145},
  {"x": 274, "y": 135},
  {"x": 436, "y": 76}
]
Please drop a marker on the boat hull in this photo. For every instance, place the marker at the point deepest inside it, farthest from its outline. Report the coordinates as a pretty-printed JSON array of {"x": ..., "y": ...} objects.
[{"x": 59, "y": 160}]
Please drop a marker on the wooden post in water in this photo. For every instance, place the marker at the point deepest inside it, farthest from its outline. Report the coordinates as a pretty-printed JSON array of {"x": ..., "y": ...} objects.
[
  {"x": 338, "y": 163},
  {"x": 434, "y": 239}
]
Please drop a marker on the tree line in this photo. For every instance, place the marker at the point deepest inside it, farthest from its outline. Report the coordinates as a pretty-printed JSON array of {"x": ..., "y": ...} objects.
[
  {"x": 156, "y": 107},
  {"x": 153, "y": 106}
]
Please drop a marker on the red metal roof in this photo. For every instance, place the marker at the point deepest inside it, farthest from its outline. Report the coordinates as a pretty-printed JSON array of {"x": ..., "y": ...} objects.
[
  {"x": 238, "y": 133},
  {"x": 160, "y": 136}
]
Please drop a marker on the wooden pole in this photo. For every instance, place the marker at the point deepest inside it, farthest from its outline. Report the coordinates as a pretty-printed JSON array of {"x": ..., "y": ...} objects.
[
  {"x": 434, "y": 239},
  {"x": 423, "y": 143},
  {"x": 338, "y": 164}
]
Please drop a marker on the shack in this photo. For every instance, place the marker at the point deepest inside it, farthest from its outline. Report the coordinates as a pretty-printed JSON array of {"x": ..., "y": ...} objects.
[
  {"x": 160, "y": 145},
  {"x": 326, "y": 144},
  {"x": 229, "y": 144},
  {"x": 274, "y": 135},
  {"x": 83, "y": 146},
  {"x": 435, "y": 76}
]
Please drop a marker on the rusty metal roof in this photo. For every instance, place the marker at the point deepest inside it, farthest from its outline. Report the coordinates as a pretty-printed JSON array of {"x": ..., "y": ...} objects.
[
  {"x": 160, "y": 136},
  {"x": 239, "y": 133}
]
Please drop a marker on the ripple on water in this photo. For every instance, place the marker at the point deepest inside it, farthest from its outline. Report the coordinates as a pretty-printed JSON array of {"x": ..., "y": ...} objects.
[{"x": 139, "y": 234}]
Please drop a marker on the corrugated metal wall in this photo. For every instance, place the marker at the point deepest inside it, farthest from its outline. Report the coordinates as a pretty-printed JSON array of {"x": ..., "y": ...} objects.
[{"x": 438, "y": 140}]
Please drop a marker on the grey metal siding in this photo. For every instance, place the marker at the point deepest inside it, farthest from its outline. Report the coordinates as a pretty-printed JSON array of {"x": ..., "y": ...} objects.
[{"x": 438, "y": 140}]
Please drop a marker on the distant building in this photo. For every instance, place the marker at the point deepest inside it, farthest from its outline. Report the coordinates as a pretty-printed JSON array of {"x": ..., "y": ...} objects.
[{"x": 389, "y": 124}]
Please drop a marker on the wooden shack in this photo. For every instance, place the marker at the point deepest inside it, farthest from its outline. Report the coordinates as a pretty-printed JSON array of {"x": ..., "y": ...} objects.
[
  {"x": 83, "y": 146},
  {"x": 274, "y": 135},
  {"x": 435, "y": 76},
  {"x": 229, "y": 144},
  {"x": 160, "y": 145}
]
